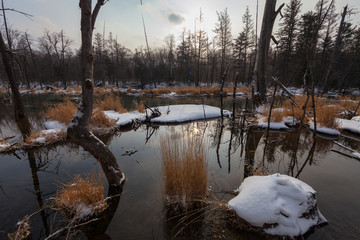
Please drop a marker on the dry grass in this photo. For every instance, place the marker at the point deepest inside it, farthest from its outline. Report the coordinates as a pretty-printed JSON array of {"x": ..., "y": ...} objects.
[
  {"x": 62, "y": 112},
  {"x": 110, "y": 102},
  {"x": 276, "y": 114},
  {"x": 129, "y": 90},
  {"x": 48, "y": 138},
  {"x": 99, "y": 119},
  {"x": 326, "y": 115},
  {"x": 23, "y": 230},
  {"x": 73, "y": 89},
  {"x": 82, "y": 197},
  {"x": 140, "y": 106},
  {"x": 185, "y": 170}
]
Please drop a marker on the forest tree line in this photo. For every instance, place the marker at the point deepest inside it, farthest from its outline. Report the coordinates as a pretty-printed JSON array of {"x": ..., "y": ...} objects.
[{"x": 193, "y": 57}]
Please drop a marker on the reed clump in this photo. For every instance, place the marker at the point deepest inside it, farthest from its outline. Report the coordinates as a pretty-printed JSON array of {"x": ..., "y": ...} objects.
[
  {"x": 99, "y": 119},
  {"x": 185, "y": 171},
  {"x": 139, "y": 106},
  {"x": 81, "y": 198},
  {"x": 326, "y": 116},
  {"x": 62, "y": 112},
  {"x": 43, "y": 137},
  {"x": 110, "y": 102}
]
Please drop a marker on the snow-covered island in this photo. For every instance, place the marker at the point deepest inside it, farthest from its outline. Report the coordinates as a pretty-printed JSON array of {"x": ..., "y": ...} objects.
[{"x": 278, "y": 204}]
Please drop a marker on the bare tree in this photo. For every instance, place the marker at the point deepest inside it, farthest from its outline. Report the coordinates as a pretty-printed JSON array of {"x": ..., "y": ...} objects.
[
  {"x": 259, "y": 78},
  {"x": 78, "y": 130}
]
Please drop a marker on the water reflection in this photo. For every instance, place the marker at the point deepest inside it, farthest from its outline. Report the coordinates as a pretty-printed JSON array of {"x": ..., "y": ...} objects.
[{"x": 234, "y": 154}]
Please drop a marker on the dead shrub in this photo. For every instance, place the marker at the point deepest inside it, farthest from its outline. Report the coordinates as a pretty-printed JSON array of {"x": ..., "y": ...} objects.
[
  {"x": 23, "y": 230},
  {"x": 110, "y": 102},
  {"x": 277, "y": 114},
  {"x": 129, "y": 90},
  {"x": 62, "y": 112},
  {"x": 81, "y": 198},
  {"x": 185, "y": 170}
]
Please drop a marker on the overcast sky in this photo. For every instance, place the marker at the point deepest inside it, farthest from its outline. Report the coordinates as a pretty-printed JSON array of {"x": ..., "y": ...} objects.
[{"x": 123, "y": 17}]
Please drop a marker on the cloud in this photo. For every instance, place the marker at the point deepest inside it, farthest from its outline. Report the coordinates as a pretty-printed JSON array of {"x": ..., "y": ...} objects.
[{"x": 176, "y": 18}]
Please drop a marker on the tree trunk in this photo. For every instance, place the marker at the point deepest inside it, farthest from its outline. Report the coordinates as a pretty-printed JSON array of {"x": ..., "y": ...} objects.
[
  {"x": 20, "y": 114},
  {"x": 78, "y": 128},
  {"x": 335, "y": 51},
  {"x": 259, "y": 95}
]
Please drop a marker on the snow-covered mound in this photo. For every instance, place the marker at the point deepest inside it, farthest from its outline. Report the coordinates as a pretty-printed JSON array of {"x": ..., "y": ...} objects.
[
  {"x": 324, "y": 130},
  {"x": 352, "y": 125},
  {"x": 280, "y": 204},
  {"x": 263, "y": 123},
  {"x": 123, "y": 119},
  {"x": 186, "y": 113}
]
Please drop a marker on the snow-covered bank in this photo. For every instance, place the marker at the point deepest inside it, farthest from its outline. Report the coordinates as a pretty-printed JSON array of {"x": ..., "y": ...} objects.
[
  {"x": 324, "y": 130},
  {"x": 279, "y": 204},
  {"x": 352, "y": 125},
  {"x": 186, "y": 113}
]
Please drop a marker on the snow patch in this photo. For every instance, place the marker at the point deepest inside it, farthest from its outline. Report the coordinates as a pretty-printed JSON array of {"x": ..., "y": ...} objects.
[
  {"x": 349, "y": 125},
  {"x": 286, "y": 204},
  {"x": 324, "y": 130}
]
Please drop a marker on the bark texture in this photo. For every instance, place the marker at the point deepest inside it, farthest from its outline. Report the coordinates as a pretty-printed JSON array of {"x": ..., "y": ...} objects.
[
  {"x": 78, "y": 128},
  {"x": 259, "y": 78}
]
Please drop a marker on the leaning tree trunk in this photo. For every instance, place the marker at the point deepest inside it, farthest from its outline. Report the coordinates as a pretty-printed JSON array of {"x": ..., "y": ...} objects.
[
  {"x": 259, "y": 87},
  {"x": 78, "y": 128},
  {"x": 20, "y": 115}
]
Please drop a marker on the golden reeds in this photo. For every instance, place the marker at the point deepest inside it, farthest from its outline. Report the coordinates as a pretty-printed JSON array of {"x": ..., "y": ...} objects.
[
  {"x": 139, "y": 106},
  {"x": 62, "y": 112},
  {"x": 185, "y": 170},
  {"x": 110, "y": 102},
  {"x": 325, "y": 116},
  {"x": 82, "y": 197}
]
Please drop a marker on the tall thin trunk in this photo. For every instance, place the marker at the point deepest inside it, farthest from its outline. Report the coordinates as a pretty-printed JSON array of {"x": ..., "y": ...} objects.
[
  {"x": 259, "y": 78},
  {"x": 78, "y": 128}
]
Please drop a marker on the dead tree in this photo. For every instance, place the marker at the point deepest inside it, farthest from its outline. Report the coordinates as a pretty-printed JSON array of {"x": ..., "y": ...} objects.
[
  {"x": 78, "y": 128},
  {"x": 259, "y": 77},
  {"x": 335, "y": 50}
]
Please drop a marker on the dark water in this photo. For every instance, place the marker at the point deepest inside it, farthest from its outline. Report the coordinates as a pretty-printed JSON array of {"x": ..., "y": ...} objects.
[{"x": 29, "y": 179}]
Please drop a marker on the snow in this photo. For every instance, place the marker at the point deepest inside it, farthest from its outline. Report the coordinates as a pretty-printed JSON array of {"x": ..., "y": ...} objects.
[
  {"x": 357, "y": 119},
  {"x": 54, "y": 125},
  {"x": 263, "y": 123},
  {"x": 349, "y": 125},
  {"x": 186, "y": 113},
  {"x": 324, "y": 130},
  {"x": 123, "y": 119},
  {"x": 82, "y": 210},
  {"x": 280, "y": 201}
]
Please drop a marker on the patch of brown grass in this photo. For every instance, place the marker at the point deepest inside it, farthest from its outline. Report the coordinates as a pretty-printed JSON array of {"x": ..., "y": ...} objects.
[
  {"x": 129, "y": 90},
  {"x": 99, "y": 119},
  {"x": 326, "y": 115},
  {"x": 276, "y": 114},
  {"x": 82, "y": 197},
  {"x": 110, "y": 102},
  {"x": 62, "y": 112},
  {"x": 48, "y": 137},
  {"x": 185, "y": 170},
  {"x": 140, "y": 106},
  {"x": 23, "y": 230}
]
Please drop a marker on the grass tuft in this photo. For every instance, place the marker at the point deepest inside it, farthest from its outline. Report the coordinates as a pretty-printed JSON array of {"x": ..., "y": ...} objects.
[
  {"x": 99, "y": 119},
  {"x": 62, "y": 112},
  {"x": 185, "y": 171},
  {"x": 110, "y": 102},
  {"x": 140, "y": 106},
  {"x": 325, "y": 116},
  {"x": 82, "y": 197}
]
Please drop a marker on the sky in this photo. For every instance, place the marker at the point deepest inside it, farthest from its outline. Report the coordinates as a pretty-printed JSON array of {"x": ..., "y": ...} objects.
[{"x": 123, "y": 17}]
